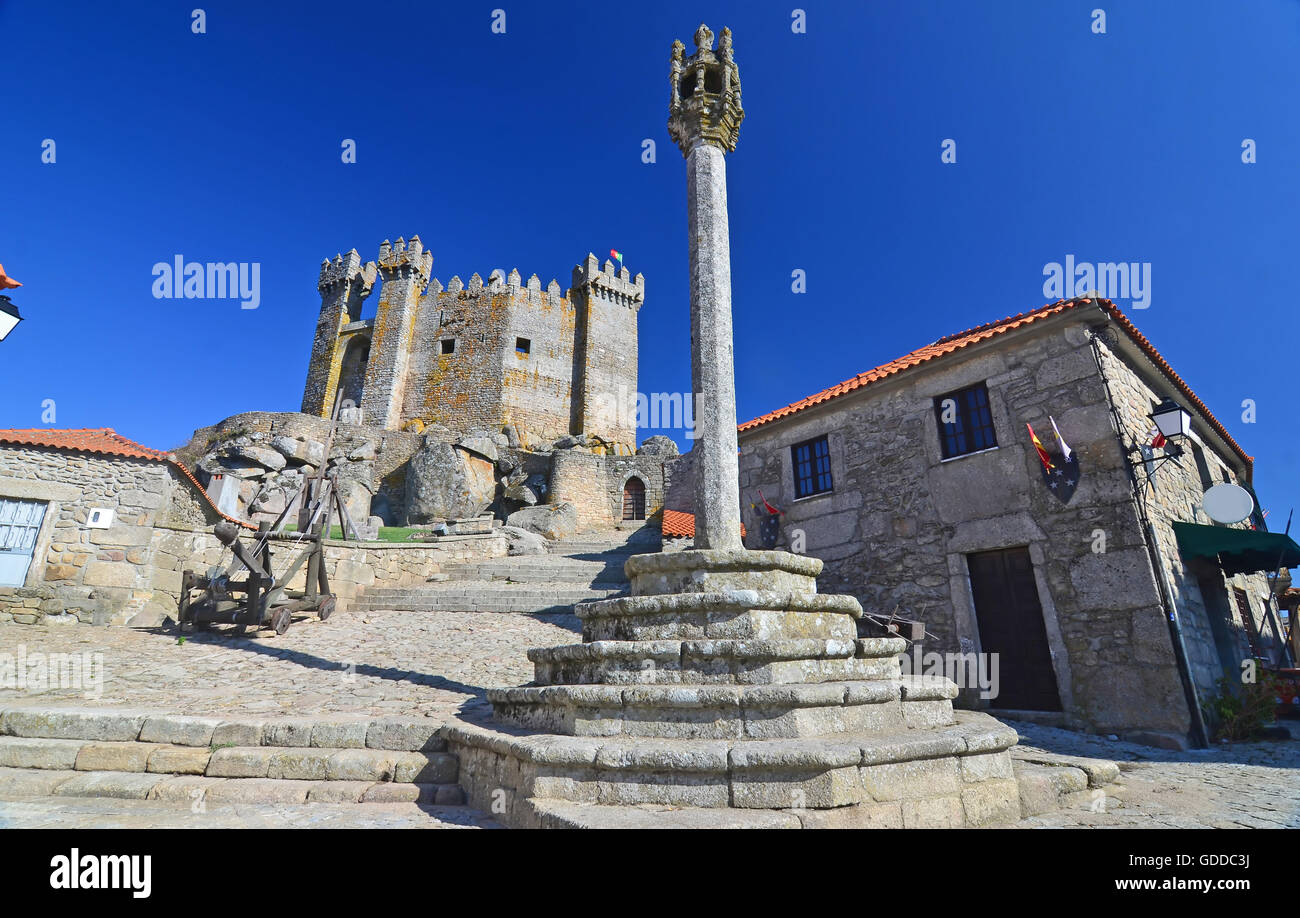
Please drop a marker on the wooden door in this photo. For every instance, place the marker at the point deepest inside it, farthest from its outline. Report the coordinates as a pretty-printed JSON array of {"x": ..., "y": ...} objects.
[
  {"x": 20, "y": 521},
  {"x": 1010, "y": 620},
  {"x": 634, "y": 499}
]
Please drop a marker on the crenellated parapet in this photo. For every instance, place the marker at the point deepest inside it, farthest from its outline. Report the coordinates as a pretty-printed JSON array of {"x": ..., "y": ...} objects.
[
  {"x": 404, "y": 259},
  {"x": 511, "y": 285},
  {"x": 604, "y": 283},
  {"x": 346, "y": 269}
]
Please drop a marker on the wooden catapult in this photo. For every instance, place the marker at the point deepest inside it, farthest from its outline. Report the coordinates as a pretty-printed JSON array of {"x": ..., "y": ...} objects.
[{"x": 263, "y": 599}]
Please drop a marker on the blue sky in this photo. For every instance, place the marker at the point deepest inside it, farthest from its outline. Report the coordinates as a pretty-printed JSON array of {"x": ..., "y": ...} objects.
[{"x": 524, "y": 149}]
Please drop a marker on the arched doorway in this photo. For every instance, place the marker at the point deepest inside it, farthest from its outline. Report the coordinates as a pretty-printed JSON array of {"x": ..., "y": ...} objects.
[
  {"x": 352, "y": 372},
  {"x": 634, "y": 499}
]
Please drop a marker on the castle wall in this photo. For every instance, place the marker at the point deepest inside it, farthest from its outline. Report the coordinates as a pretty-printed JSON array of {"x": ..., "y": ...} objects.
[
  {"x": 594, "y": 484},
  {"x": 548, "y": 364},
  {"x": 537, "y": 388},
  {"x": 460, "y": 390}
]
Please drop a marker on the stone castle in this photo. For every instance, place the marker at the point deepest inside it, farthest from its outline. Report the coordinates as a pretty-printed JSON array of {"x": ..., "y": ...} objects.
[{"x": 478, "y": 356}]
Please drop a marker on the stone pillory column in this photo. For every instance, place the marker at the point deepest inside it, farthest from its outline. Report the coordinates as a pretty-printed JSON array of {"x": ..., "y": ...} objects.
[
  {"x": 405, "y": 272},
  {"x": 724, "y": 689},
  {"x": 704, "y": 119}
]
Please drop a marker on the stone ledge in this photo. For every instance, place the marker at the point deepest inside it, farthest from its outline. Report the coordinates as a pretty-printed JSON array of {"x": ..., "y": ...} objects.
[
  {"x": 738, "y": 601},
  {"x": 974, "y": 733},
  {"x": 708, "y": 696},
  {"x": 722, "y": 561},
  {"x": 333, "y": 731},
  {"x": 673, "y": 651}
]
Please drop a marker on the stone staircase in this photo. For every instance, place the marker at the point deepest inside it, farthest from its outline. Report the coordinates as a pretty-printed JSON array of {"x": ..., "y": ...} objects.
[
  {"x": 144, "y": 755},
  {"x": 586, "y": 568}
]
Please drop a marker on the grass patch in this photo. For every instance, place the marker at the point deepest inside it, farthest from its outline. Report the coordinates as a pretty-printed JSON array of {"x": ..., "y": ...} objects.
[{"x": 386, "y": 533}]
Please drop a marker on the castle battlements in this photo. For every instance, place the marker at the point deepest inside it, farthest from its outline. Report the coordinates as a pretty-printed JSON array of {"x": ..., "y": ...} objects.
[
  {"x": 345, "y": 268},
  {"x": 605, "y": 283},
  {"x": 531, "y": 293},
  {"x": 405, "y": 258}
]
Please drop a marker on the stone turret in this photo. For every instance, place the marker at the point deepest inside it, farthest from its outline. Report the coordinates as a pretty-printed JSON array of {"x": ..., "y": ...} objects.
[
  {"x": 604, "y": 387},
  {"x": 344, "y": 285},
  {"x": 405, "y": 271}
]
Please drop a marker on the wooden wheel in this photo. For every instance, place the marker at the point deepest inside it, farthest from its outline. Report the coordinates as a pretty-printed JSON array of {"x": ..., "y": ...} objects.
[
  {"x": 280, "y": 620},
  {"x": 326, "y": 608}
]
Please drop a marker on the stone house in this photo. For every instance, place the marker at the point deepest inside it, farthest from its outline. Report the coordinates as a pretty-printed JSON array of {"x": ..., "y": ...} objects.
[
  {"x": 78, "y": 511},
  {"x": 547, "y": 362},
  {"x": 1101, "y": 616}
]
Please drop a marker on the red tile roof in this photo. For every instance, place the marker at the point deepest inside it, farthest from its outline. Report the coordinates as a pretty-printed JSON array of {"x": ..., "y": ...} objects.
[
  {"x": 104, "y": 441},
  {"x": 952, "y": 343},
  {"x": 678, "y": 524}
]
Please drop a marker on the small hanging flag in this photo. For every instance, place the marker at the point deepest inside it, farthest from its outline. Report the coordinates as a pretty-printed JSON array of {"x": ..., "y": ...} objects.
[
  {"x": 766, "y": 506},
  {"x": 1060, "y": 440},
  {"x": 1042, "y": 450},
  {"x": 1157, "y": 438},
  {"x": 617, "y": 256},
  {"x": 1061, "y": 478}
]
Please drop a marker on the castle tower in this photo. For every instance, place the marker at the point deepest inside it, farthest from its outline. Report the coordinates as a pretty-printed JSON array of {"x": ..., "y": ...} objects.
[
  {"x": 344, "y": 285},
  {"x": 605, "y": 351},
  {"x": 405, "y": 272},
  {"x": 704, "y": 120}
]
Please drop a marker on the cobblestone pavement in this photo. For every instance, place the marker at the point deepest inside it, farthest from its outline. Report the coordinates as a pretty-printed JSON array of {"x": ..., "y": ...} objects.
[
  {"x": 1250, "y": 785},
  {"x": 378, "y": 663},
  {"x": 412, "y": 663},
  {"x": 102, "y": 813}
]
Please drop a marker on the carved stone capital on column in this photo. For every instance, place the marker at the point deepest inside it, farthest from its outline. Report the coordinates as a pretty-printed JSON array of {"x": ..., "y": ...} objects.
[{"x": 705, "y": 103}]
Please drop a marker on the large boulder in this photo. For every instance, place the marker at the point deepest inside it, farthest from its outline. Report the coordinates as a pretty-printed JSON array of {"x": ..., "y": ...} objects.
[
  {"x": 479, "y": 442},
  {"x": 520, "y": 493},
  {"x": 658, "y": 445},
  {"x": 554, "y": 521},
  {"x": 445, "y": 482},
  {"x": 308, "y": 452},
  {"x": 267, "y": 458},
  {"x": 356, "y": 498},
  {"x": 522, "y": 542}
]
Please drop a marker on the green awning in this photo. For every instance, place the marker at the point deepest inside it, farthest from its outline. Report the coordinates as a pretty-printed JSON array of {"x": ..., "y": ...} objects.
[{"x": 1238, "y": 551}]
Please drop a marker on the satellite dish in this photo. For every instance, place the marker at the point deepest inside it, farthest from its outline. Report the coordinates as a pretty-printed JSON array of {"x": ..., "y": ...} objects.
[{"x": 1227, "y": 503}]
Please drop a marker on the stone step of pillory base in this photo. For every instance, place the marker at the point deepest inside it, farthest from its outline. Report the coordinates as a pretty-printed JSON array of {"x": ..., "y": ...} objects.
[
  {"x": 759, "y": 614},
  {"x": 709, "y": 662},
  {"x": 727, "y": 711},
  {"x": 954, "y": 775},
  {"x": 19, "y": 783},
  {"x": 397, "y": 734},
  {"x": 277, "y": 762}
]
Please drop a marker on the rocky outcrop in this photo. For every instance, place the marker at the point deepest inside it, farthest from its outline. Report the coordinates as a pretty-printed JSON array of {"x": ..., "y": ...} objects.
[{"x": 445, "y": 481}]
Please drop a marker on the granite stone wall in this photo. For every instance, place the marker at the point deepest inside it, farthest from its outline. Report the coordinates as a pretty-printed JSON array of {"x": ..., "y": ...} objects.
[
  {"x": 594, "y": 484},
  {"x": 97, "y": 575},
  {"x": 900, "y": 520},
  {"x": 351, "y": 567}
]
